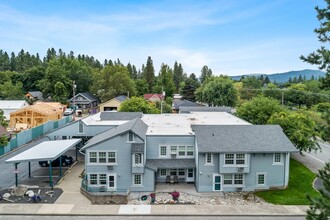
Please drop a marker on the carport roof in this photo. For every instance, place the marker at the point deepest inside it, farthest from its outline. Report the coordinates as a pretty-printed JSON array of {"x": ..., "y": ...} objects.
[{"x": 47, "y": 150}]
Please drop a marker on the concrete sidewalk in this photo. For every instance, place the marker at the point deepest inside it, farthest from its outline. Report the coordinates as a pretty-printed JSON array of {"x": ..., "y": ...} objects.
[{"x": 72, "y": 202}]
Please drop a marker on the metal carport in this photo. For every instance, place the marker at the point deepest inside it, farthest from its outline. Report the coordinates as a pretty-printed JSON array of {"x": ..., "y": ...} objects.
[{"x": 47, "y": 150}]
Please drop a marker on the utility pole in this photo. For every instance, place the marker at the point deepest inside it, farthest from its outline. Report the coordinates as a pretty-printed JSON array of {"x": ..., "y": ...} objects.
[{"x": 73, "y": 99}]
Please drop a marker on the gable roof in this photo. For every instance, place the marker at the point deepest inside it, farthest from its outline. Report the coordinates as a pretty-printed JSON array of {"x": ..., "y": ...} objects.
[
  {"x": 118, "y": 116},
  {"x": 180, "y": 103},
  {"x": 13, "y": 104},
  {"x": 136, "y": 125},
  {"x": 121, "y": 98},
  {"x": 149, "y": 96},
  {"x": 87, "y": 95},
  {"x": 35, "y": 94},
  {"x": 242, "y": 138}
]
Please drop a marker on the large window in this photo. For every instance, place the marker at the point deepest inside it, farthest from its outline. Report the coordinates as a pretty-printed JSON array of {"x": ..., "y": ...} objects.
[
  {"x": 102, "y": 179},
  {"x": 137, "y": 179},
  {"x": 93, "y": 179},
  {"x": 233, "y": 179},
  {"x": 102, "y": 157},
  {"x": 235, "y": 159},
  {"x": 190, "y": 150},
  {"x": 162, "y": 172},
  {"x": 163, "y": 151},
  {"x": 277, "y": 159},
  {"x": 173, "y": 150},
  {"x": 209, "y": 159},
  {"x": 138, "y": 159}
]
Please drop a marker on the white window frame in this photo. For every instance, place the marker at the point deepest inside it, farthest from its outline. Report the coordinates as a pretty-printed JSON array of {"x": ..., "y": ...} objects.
[
  {"x": 99, "y": 179},
  {"x": 160, "y": 151},
  {"x": 139, "y": 163},
  {"x": 232, "y": 179},
  {"x": 80, "y": 127},
  {"x": 89, "y": 157},
  {"x": 130, "y": 134},
  {"x": 265, "y": 178},
  {"x": 235, "y": 160},
  {"x": 160, "y": 172},
  {"x": 141, "y": 179},
  {"x": 89, "y": 179},
  {"x": 98, "y": 158},
  {"x": 114, "y": 181},
  {"x": 183, "y": 149},
  {"x": 190, "y": 146},
  {"x": 281, "y": 159},
  {"x": 208, "y": 163},
  {"x": 213, "y": 183},
  {"x": 174, "y": 149}
]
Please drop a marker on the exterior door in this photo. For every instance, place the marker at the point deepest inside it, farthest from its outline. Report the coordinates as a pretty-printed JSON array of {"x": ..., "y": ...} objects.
[
  {"x": 216, "y": 182},
  {"x": 190, "y": 175},
  {"x": 111, "y": 182}
]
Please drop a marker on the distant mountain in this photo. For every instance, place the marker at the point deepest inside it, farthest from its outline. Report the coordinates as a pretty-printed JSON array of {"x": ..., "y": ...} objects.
[{"x": 284, "y": 77}]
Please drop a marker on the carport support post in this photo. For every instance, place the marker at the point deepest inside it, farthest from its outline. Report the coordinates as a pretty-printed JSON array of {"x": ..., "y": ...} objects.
[
  {"x": 50, "y": 175},
  {"x": 16, "y": 175},
  {"x": 29, "y": 169},
  {"x": 76, "y": 153},
  {"x": 60, "y": 166}
]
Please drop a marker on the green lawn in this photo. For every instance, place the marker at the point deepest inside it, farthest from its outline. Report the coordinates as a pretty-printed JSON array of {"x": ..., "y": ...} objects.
[{"x": 300, "y": 184}]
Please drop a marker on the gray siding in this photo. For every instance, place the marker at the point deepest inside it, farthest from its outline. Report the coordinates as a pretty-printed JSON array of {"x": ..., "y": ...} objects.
[
  {"x": 153, "y": 143},
  {"x": 123, "y": 169}
]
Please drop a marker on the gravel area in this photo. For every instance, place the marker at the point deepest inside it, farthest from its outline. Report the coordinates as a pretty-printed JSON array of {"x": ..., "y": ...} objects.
[
  {"x": 46, "y": 196},
  {"x": 235, "y": 198}
]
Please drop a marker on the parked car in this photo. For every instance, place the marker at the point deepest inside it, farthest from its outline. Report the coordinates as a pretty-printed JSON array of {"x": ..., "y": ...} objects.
[
  {"x": 66, "y": 161},
  {"x": 68, "y": 111}
]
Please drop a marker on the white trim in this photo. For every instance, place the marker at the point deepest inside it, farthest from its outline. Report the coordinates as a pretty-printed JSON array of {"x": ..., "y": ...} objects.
[
  {"x": 97, "y": 179},
  {"x": 265, "y": 178},
  {"x": 160, "y": 173},
  {"x": 97, "y": 157},
  {"x": 169, "y": 153},
  {"x": 114, "y": 180},
  {"x": 233, "y": 180},
  {"x": 235, "y": 160},
  {"x": 160, "y": 146},
  {"x": 134, "y": 162}
]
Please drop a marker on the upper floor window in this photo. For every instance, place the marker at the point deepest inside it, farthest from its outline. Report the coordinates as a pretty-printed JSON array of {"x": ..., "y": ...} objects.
[
  {"x": 277, "y": 158},
  {"x": 130, "y": 136},
  {"x": 182, "y": 150},
  {"x": 163, "y": 151},
  {"x": 173, "y": 150},
  {"x": 138, "y": 159},
  {"x": 102, "y": 157},
  {"x": 235, "y": 159},
  {"x": 209, "y": 158},
  {"x": 190, "y": 150}
]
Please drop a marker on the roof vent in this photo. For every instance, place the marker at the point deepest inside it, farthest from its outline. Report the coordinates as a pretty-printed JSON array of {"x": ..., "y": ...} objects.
[{"x": 213, "y": 134}]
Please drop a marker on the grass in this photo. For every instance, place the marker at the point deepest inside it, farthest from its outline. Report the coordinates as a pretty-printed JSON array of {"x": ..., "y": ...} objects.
[{"x": 300, "y": 184}]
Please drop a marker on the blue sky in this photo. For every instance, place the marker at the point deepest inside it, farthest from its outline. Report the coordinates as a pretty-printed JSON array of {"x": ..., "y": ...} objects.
[{"x": 230, "y": 37}]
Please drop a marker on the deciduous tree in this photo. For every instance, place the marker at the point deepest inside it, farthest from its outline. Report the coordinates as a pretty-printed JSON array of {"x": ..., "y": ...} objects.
[{"x": 138, "y": 104}]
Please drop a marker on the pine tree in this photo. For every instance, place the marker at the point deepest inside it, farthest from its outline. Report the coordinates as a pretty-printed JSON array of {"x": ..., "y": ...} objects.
[
  {"x": 205, "y": 73},
  {"x": 177, "y": 75},
  {"x": 149, "y": 73}
]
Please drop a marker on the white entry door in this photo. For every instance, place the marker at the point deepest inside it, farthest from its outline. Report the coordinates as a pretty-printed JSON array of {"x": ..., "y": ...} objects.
[{"x": 190, "y": 175}]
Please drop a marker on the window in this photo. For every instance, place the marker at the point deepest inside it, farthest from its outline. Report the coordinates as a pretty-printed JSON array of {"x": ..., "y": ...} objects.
[
  {"x": 240, "y": 158},
  {"x": 137, "y": 179},
  {"x": 102, "y": 179},
  {"x": 233, "y": 179},
  {"x": 229, "y": 158},
  {"x": 173, "y": 172},
  {"x": 112, "y": 157},
  {"x": 102, "y": 157},
  {"x": 190, "y": 150},
  {"x": 112, "y": 181},
  {"x": 92, "y": 157},
  {"x": 93, "y": 179},
  {"x": 208, "y": 158},
  {"x": 261, "y": 178},
  {"x": 277, "y": 158},
  {"x": 130, "y": 136},
  {"x": 227, "y": 179},
  {"x": 238, "y": 179},
  {"x": 182, "y": 150},
  {"x": 181, "y": 172},
  {"x": 234, "y": 159},
  {"x": 162, "y": 172},
  {"x": 80, "y": 127},
  {"x": 138, "y": 159},
  {"x": 163, "y": 151},
  {"x": 173, "y": 150}
]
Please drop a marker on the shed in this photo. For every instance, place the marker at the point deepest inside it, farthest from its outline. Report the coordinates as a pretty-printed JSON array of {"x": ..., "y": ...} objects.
[
  {"x": 34, "y": 115},
  {"x": 113, "y": 104}
]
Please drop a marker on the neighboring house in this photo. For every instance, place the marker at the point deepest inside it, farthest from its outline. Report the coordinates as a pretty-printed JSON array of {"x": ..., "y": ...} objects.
[
  {"x": 112, "y": 104},
  {"x": 34, "y": 115},
  {"x": 153, "y": 97},
  {"x": 177, "y": 104},
  {"x": 34, "y": 95},
  {"x": 214, "y": 150},
  {"x": 84, "y": 100},
  {"x": 8, "y": 106}
]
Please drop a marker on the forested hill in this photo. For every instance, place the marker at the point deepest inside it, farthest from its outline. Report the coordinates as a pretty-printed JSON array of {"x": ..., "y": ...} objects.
[{"x": 284, "y": 77}]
